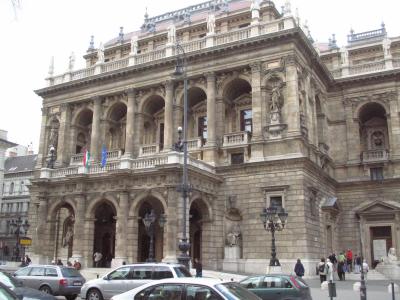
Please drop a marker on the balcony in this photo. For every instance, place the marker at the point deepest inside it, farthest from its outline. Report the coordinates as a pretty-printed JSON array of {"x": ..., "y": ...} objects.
[
  {"x": 195, "y": 144},
  {"x": 77, "y": 159},
  {"x": 374, "y": 156},
  {"x": 146, "y": 150},
  {"x": 141, "y": 163},
  {"x": 236, "y": 139}
]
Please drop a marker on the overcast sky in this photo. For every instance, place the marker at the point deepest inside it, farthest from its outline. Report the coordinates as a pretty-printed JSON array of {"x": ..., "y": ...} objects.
[{"x": 45, "y": 28}]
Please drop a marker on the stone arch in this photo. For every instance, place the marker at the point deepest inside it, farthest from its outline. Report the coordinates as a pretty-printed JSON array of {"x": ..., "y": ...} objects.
[
  {"x": 152, "y": 119},
  {"x": 144, "y": 100},
  {"x": 180, "y": 94},
  {"x": 374, "y": 134},
  {"x": 360, "y": 106},
  {"x": 116, "y": 124},
  {"x": 229, "y": 81},
  {"x": 82, "y": 124},
  {"x": 90, "y": 211},
  {"x": 52, "y": 211},
  {"x": 140, "y": 198},
  {"x": 270, "y": 77},
  {"x": 78, "y": 114}
]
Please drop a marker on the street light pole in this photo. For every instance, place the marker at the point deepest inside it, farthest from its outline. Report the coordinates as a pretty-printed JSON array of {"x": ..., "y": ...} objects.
[
  {"x": 18, "y": 224},
  {"x": 180, "y": 70},
  {"x": 149, "y": 223},
  {"x": 363, "y": 287}
]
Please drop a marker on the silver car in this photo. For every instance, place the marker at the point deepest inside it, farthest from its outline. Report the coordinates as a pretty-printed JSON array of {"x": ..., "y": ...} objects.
[
  {"x": 128, "y": 277},
  {"x": 55, "y": 280}
]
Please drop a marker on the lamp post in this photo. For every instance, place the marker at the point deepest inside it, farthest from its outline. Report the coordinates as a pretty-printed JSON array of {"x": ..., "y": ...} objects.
[
  {"x": 363, "y": 287},
  {"x": 181, "y": 145},
  {"x": 17, "y": 225},
  {"x": 148, "y": 221},
  {"x": 274, "y": 219},
  {"x": 52, "y": 159}
]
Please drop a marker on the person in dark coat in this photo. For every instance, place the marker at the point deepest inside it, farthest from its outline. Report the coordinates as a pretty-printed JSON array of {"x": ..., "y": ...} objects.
[
  {"x": 199, "y": 267},
  {"x": 299, "y": 268}
]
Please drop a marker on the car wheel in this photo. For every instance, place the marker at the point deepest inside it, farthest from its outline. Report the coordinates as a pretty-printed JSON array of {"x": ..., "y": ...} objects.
[
  {"x": 94, "y": 294},
  {"x": 45, "y": 289},
  {"x": 71, "y": 297}
]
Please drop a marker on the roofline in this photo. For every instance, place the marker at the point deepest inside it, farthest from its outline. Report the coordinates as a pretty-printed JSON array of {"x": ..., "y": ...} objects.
[{"x": 7, "y": 143}]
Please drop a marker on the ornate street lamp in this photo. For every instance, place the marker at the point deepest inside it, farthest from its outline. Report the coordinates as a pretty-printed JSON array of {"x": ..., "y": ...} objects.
[
  {"x": 274, "y": 219},
  {"x": 16, "y": 226},
  {"x": 148, "y": 221},
  {"x": 363, "y": 287},
  {"x": 181, "y": 145}
]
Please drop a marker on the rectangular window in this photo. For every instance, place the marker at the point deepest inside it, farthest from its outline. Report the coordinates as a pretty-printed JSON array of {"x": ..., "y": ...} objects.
[
  {"x": 161, "y": 136},
  {"x": 246, "y": 120},
  {"x": 376, "y": 173},
  {"x": 275, "y": 201},
  {"x": 202, "y": 128},
  {"x": 237, "y": 158}
]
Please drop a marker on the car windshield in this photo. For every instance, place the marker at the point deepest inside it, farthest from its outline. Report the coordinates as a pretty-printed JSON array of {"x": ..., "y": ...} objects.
[
  {"x": 70, "y": 272},
  {"x": 233, "y": 291},
  {"x": 182, "y": 272},
  {"x": 9, "y": 281}
]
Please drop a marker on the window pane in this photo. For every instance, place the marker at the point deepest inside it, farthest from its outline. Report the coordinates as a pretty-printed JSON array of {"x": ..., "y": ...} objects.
[
  {"x": 161, "y": 272},
  {"x": 202, "y": 130},
  {"x": 246, "y": 120},
  {"x": 237, "y": 158},
  {"x": 182, "y": 272},
  {"x": 120, "y": 274},
  {"x": 142, "y": 272},
  {"x": 51, "y": 272},
  {"x": 275, "y": 201},
  {"x": 37, "y": 272},
  {"x": 198, "y": 292}
]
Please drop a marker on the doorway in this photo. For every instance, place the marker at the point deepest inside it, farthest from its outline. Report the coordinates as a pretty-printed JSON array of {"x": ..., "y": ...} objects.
[{"x": 381, "y": 242}]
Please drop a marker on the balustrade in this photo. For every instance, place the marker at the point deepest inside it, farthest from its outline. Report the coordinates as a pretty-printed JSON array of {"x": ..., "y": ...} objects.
[
  {"x": 194, "y": 144},
  {"x": 149, "y": 149},
  {"x": 232, "y": 36},
  {"x": 237, "y": 138},
  {"x": 368, "y": 67},
  {"x": 375, "y": 155},
  {"x": 115, "y": 65}
]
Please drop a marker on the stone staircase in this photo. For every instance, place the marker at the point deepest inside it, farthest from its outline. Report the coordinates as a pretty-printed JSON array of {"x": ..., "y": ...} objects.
[{"x": 372, "y": 275}]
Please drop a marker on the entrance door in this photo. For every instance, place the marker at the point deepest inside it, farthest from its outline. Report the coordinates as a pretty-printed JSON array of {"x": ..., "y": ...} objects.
[{"x": 381, "y": 242}]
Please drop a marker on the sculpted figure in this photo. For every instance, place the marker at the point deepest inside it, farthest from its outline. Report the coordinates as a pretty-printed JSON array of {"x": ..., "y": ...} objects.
[
  {"x": 171, "y": 34},
  {"x": 211, "y": 24},
  {"x": 232, "y": 238},
  {"x": 276, "y": 103},
  {"x": 255, "y": 9},
  {"x": 68, "y": 231},
  {"x": 71, "y": 62},
  {"x": 100, "y": 53},
  {"x": 134, "y": 45},
  {"x": 392, "y": 257}
]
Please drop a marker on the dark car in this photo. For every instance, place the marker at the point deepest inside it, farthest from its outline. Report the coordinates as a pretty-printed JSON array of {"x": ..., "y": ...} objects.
[
  {"x": 7, "y": 294},
  {"x": 277, "y": 287},
  {"x": 20, "y": 291},
  {"x": 51, "y": 279}
]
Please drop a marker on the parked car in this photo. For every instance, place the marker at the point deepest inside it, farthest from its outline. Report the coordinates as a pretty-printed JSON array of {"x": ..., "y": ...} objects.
[
  {"x": 6, "y": 293},
  {"x": 277, "y": 287},
  {"x": 51, "y": 279},
  {"x": 128, "y": 277},
  {"x": 20, "y": 291},
  {"x": 189, "y": 289}
]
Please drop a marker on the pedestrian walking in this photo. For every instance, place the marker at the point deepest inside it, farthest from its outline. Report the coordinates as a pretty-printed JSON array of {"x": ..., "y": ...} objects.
[
  {"x": 299, "y": 268},
  {"x": 77, "y": 265},
  {"x": 357, "y": 264},
  {"x": 199, "y": 267},
  {"x": 59, "y": 262},
  {"x": 349, "y": 260},
  {"x": 97, "y": 256},
  {"x": 322, "y": 270},
  {"x": 365, "y": 269},
  {"x": 329, "y": 270}
]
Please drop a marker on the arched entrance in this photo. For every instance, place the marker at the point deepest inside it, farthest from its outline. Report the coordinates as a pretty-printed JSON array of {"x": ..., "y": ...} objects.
[
  {"x": 197, "y": 215},
  {"x": 156, "y": 228},
  {"x": 104, "y": 232}
]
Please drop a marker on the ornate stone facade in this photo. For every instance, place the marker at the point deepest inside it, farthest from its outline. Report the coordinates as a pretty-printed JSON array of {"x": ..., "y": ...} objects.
[{"x": 268, "y": 124}]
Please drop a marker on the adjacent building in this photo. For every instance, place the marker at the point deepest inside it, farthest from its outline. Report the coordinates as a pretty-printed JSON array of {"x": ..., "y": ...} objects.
[{"x": 274, "y": 120}]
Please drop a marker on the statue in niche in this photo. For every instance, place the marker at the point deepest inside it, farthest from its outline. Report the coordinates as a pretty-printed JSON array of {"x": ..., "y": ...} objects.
[
  {"x": 68, "y": 231},
  {"x": 391, "y": 256},
  {"x": 171, "y": 34},
  {"x": 233, "y": 236},
  {"x": 377, "y": 140},
  {"x": 53, "y": 139},
  {"x": 276, "y": 99},
  {"x": 211, "y": 24}
]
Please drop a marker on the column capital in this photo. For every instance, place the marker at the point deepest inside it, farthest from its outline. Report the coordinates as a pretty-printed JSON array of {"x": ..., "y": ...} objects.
[
  {"x": 96, "y": 99},
  {"x": 64, "y": 107},
  {"x": 131, "y": 91},
  {"x": 255, "y": 66},
  {"x": 169, "y": 84},
  {"x": 210, "y": 76},
  {"x": 45, "y": 111}
]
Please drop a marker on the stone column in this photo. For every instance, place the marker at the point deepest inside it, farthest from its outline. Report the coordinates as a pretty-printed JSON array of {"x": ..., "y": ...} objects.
[
  {"x": 63, "y": 133},
  {"x": 73, "y": 131},
  {"x": 121, "y": 253},
  {"x": 79, "y": 229},
  {"x": 256, "y": 101},
  {"x": 353, "y": 135},
  {"x": 211, "y": 122},
  {"x": 291, "y": 107},
  {"x": 168, "y": 115},
  {"x": 42, "y": 142},
  {"x": 40, "y": 237},
  {"x": 139, "y": 132},
  {"x": 130, "y": 122},
  {"x": 94, "y": 142},
  {"x": 394, "y": 128},
  {"x": 171, "y": 227}
]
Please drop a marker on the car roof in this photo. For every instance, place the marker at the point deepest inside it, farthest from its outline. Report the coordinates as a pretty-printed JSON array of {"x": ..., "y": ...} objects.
[
  {"x": 152, "y": 264},
  {"x": 269, "y": 275},
  {"x": 48, "y": 266}
]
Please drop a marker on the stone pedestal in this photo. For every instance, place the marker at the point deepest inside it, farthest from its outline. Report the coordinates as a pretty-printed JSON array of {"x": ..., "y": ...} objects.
[
  {"x": 232, "y": 253},
  {"x": 274, "y": 270},
  {"x": 275, "y": 128},
  {"x": 391, "y": 271}
]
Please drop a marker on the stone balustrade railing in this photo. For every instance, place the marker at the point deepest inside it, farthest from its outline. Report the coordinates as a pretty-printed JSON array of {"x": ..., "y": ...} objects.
[
  {"x": 168, "y": 50},
  {"x": 194, "y": 144},
  {"x": 237, "y": 138},
  {"x": 114, "y": 154},
  {"x": 126, "y": 163},
  {"x": 149, "y": 149},
  {"x": 375, "y": 155},
  {"x": 367, "y": 67},
  {"x": 77, "y": 159}
]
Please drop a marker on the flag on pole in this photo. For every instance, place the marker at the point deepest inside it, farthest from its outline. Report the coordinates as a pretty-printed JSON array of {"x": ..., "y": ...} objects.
[
  {"x": 103, "y": 156},
  {"x": 86, "y": 157}
]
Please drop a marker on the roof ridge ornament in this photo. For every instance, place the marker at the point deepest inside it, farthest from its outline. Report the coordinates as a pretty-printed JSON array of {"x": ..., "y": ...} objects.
[{"x": 91, "y": 43}]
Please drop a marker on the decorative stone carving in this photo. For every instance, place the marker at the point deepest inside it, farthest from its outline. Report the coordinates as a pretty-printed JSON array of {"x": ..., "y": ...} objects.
[
  {"x": 171, "y": 34},
  {"x": 255, "y": 9},
  {"x": 71, "y": 63},
  {"x": 211, "y": 24},
  {"x": 276, "y": 102},
  {"x": 100, "y": 54},
  {"x": 233, "y": 236},
  {"x": 391, "y": 258},
  {"x": 134, "y": 45},
  {"x": 68, "y": 231}
]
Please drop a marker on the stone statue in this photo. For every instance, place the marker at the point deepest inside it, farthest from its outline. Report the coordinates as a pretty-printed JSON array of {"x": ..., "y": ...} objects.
[
  {"x": 386, "y": 46},
  {"x": 344, "y": 54},
  {"x": 53, "y": 139},
  {"x": 211, "y": 24},
  {"x": 100, "y": 54},
  {"x": 232, "y": 238},
  {"x": 171, "y": 34},
  {"x": 71, "y": 63},
  {"x": 255, "y": 9},
  {"x": 68, "y": 231},
  {"x": 134, "y": 45},
  {"x": 391, "y": 256},
  {"x": 377, "y": 140},
  {"x": 276, "y": 99}
]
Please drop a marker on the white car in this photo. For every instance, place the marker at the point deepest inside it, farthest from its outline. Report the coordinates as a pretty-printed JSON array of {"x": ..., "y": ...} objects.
[{"x": 189, "y": 289}]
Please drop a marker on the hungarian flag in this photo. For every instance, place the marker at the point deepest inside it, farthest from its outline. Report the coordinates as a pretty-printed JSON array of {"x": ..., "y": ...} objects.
[{"x": 86, "y": 157}]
